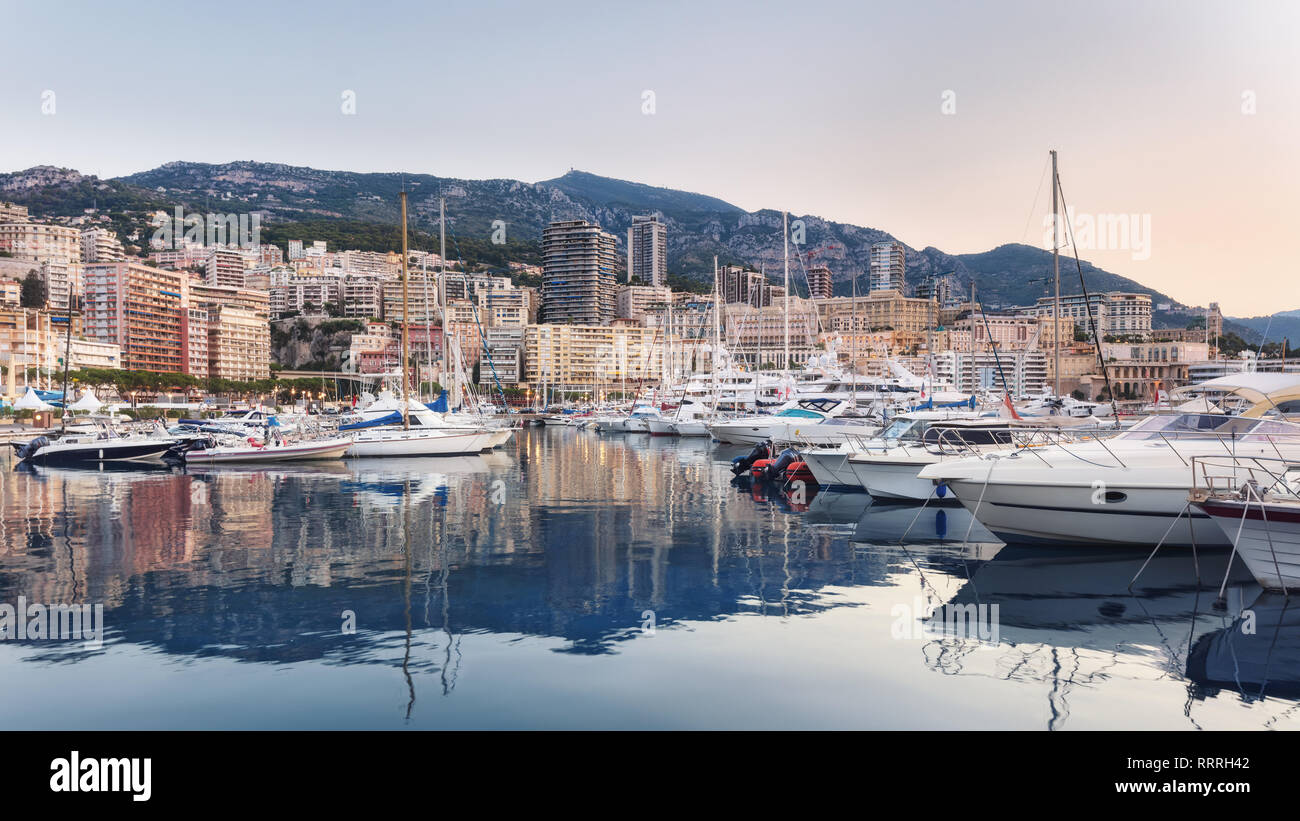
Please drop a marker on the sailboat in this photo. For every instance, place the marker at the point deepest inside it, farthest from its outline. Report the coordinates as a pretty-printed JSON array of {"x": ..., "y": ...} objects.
[{"x": 389, "y": 440}]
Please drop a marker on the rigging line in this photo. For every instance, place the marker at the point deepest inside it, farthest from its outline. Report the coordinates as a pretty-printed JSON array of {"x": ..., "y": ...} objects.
[
  {"x": 1087, "y": 301},
  {"x": 1267, "y": 327},
  {"x": 482, "y": 336},
  {"x": 1042, "y": 176}
]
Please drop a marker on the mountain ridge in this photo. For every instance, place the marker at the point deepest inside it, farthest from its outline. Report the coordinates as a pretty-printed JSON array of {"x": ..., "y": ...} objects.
[{"x": 699, "y": 226}]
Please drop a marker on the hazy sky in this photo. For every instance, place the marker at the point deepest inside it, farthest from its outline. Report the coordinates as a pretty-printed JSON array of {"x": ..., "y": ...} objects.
[{"x": 834, "y": 109}]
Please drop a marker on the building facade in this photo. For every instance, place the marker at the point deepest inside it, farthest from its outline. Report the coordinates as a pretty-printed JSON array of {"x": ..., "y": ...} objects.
[
  {"x": 141, "y": 309},
  {"x": 888, "y": 266},
  {"x": 647, "y": 252},
  {"x": 578, "y": 286}
]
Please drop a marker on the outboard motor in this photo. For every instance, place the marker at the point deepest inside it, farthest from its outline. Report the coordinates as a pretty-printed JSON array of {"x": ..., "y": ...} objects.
[
  {"x": 776, "y": 470},
  {"x": 29, "y": 450},
  {"x": 742, "y": 464}
]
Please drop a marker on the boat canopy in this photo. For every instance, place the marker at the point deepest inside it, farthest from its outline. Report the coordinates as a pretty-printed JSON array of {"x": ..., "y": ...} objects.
[
  {"x": 394, "y": 418},
  {"x": 1265, "y": 391},
  {"x": 1208, "y": 425}
]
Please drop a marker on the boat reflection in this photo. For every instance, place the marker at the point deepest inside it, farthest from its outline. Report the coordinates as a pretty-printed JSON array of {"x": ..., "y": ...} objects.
[
  {"x": 1066, "y": 618},
  {"x": 1257, "y": 656}
]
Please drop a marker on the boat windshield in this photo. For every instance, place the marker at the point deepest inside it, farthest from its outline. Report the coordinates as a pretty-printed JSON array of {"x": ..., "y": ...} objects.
[
  {"x": 1190, "y": 426},
  {"x": 901, "y": 429},
  {"x": 799, "y": 413}
]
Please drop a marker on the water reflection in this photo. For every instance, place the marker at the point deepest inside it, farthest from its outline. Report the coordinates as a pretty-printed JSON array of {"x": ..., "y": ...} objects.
[{"x": 586, "y": 546}]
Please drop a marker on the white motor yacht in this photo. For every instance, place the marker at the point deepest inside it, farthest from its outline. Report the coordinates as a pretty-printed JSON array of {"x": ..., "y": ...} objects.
[
  {"x": 783, "y": 425},
  {"x": 1130, "y": 489}
]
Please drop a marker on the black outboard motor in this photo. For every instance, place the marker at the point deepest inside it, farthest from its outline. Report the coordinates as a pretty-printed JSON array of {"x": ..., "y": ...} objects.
[
  {"x": 776, "y": 470},
  {"x": 29, "y": 450},
  {"x": 742, "y": 464}
]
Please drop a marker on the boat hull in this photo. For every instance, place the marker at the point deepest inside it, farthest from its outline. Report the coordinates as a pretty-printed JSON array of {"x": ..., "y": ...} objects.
[
  {"x": 144, "y": 452},
  {"x": 417, "y": 443},
  {"x": 1080, "y": 515},
  {"x": 832, "y": 469},
  {"x": 301, "y": 452},
  {"x": 1269, "y": 543},
  {"x": 661, "y": 427},
  {"x": 691, "y": 428},
  {"x": 895, "y": 478}
]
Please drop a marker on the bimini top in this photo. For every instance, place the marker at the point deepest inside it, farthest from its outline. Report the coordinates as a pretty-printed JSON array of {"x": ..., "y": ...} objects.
[{"x": 1265, "y": 391}]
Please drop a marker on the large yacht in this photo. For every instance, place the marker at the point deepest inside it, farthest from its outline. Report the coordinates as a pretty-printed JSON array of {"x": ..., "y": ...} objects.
[{"x": 1130, "y": 489}]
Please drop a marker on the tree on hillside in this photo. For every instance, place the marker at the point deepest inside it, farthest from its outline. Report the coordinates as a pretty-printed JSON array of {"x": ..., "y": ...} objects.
[{"x": 34, "y": 292}]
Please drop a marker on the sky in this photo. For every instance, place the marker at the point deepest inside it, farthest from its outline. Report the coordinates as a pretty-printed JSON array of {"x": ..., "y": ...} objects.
[{"x": 929, "y": 120}]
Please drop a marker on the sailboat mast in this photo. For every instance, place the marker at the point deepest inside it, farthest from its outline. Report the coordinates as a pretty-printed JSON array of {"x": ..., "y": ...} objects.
[
  {"x": 68, "y": 356},
  {"x": 853, "y": 351},
  {"x": 785, "y": 253},
  {"x": 442, "y": 287},
  {"x": 974, "y": 388},
  {"x": 406, "y": 342},
  {"x": 1056, "y": 274}
]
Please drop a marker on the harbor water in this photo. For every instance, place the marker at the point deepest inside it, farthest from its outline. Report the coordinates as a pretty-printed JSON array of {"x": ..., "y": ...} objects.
[{"x": 584, "y": 580}]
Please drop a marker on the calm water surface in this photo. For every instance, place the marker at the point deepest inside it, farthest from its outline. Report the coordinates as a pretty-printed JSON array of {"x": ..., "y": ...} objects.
[{"x": 579, "y": 580}]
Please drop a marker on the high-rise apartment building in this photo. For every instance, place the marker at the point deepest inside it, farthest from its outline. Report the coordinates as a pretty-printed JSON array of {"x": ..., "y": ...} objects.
[
  {"x": 57, "y": 249},
  {"x": 100, "y": 245},
  {"x": 142, "y": 309},
  {"x": 647, "y": 252},
  {"x": 226, "y": 268},
  {"x": 819, "y": 282},
  {"x": 634, "y": 301},
  {"x": 739, "y": 285},
  {"x": 578, "y": 285},
  {"x": 239, "y": 343},
  {"x": 887, "y": 266},
  {"x": 504, "y": 308},
  {"x": 942, "y": 288}
]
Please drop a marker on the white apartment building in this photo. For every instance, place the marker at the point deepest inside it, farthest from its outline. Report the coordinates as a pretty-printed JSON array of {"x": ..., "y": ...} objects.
[
  {"x": 647, "y": 252},
  {"x": 91, "y": 353},
  {"x": 1115, "y": 313},
  {"x": 226, "y": 268},
  {"x": 887, "y": 266},
  {"x": 505, "y": 308},
  {"x": 100, "y": 245},
  {"x": 634, "y": 301},
  {"x": 55, "y": 248}
]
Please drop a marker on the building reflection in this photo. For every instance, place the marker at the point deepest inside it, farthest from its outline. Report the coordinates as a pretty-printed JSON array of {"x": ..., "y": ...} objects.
[{"x": 569, "y": 535}]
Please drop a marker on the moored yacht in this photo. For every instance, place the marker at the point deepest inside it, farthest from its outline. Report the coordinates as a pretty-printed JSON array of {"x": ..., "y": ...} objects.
[
  {"x": 1130, "y": 489},
  {"x": 783, "y": 426},
  {"x": 105, "y": 445},
  {"x": 1257, "y": 504}
]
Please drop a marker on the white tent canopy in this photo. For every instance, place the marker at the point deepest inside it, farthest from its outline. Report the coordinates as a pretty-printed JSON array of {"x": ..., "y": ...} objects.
[
  {"x": 87, "y": 402},
  {"x": 30, "y": 401}
]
